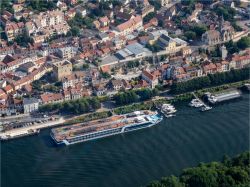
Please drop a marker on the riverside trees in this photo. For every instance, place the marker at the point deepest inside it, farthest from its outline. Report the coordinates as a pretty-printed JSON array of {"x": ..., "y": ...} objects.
[
  {"x": 230, "y": 172},
  {"x": 132, "y": 96},
  {"x": 210, "y": 80},
  {"x": 78, "y": 106}
]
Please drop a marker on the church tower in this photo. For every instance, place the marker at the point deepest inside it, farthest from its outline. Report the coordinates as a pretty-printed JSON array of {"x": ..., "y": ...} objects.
[{"x": 223, "y": 52}]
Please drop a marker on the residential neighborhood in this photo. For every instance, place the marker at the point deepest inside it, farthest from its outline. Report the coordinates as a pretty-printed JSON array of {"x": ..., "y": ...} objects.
[
  {"x": 124, "y": 93},
  {"x": 71, "y": 50}
]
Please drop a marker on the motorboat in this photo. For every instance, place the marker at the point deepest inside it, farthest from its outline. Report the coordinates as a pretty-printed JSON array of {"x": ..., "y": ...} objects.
[
  {"x": 206, "y": 108},
  {"x": 195, "y": 103}
]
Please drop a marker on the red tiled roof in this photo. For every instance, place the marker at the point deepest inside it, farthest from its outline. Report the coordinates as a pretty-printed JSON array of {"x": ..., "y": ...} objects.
[
  {"x": 50, "y": 97},
  {"x": 105, "y": 68},
  {"x": 129, "y": 23},
  {"x": 8, "y": 88},
  {"x": 148, "y": 74}
]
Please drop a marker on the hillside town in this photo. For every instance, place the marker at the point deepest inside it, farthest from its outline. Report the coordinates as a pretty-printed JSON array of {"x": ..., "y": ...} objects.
[{"x": 62, "y": 50}]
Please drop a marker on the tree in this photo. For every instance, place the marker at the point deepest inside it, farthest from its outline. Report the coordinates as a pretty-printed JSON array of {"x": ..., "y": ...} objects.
[
  {"x": 244, "y": 43},
  {"x": 232, "y": 47},
  {"x": 23, "y": 40},
  {"x": 228, "y": 13},
  {"x": 156, "y": 4},
  {"x": 210, "y": 80},
  {"x": 144, "y": 94},
  {"x": 41, "y": 5},
  {"x": 6, "y": 5},
  {"x": 148, "y": 17},
  {"x": 235, "y": 173},
  {"x": 105, "y": 75},
  {"x": 171, "y": 181},
  {"x": 187, "y": 2},
  {"x": 126, "y": 97},
  {"x": 191, "y": 35},
  {"x": 199, "y": 30},
  {"x": 75, "y": 31}
]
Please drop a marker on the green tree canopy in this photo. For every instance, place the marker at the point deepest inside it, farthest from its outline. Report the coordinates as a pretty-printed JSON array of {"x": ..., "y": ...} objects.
[
  {"x": 235, "y": 173},
  {"x": 243, "y": 43}
]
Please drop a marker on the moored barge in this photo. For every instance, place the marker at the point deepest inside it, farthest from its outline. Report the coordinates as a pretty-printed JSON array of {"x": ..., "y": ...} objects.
[{"x": 96, "y": 129}]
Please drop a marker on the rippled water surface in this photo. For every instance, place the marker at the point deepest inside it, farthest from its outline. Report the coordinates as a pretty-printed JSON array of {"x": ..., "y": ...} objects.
[{"x": 131, "y": 159}]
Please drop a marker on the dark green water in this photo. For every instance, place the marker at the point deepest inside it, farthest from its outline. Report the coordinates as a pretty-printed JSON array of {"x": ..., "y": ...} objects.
[{"x": 131, "y": 159}]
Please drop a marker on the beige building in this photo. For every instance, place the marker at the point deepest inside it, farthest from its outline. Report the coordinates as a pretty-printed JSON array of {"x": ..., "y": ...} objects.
[
  {"x": 62, "y": 69},
  {"x": 135, "y": 23}
]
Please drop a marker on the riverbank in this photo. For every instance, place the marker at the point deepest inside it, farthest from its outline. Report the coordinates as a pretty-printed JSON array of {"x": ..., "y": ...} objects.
[
  {"x": 29, "y": 130},
  {"x": 228, "y": 172},
  {"x": 147, "y": 105},
  {"x": 130, "y": 159}
]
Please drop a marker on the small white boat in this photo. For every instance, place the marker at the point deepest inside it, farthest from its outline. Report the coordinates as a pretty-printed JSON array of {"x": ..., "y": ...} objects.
[
  {"x": 195, "y": 103},
  {"x": 169, "y": 115},
  {"x": 168, "y": 110},
  {"x": 206, "y": 108}
]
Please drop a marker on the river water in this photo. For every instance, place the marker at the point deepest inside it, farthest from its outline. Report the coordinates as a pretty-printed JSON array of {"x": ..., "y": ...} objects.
[{"x": 131, "y": 159}]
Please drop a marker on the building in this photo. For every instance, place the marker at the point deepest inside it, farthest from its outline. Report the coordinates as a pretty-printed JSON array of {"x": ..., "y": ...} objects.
[
  {"x": 209, "y": 68},
  {"x": 30, "y": 105},
  {"x": 211, "y": 37},
  {"x": 104, "y": 21},
  {"x": 67, "y": 52},
  {"x": 27, "y": 67},
  {"x": 12, "y": 30},
  {"x": 240, "y": 61},
  {"x": 186, "y": 51},
  {"x": 134, "y": 50},
  {"x": 62, "y": 69},
  {"x": 46, "y": 24},
  {"x": 167, "y": 43},
  {"x": 155, "y": 35},
  {"x": 52, "y": 98},
  {"x": 116, "y": 84},
  {"x": 99, "y": 89},
  {"x": 135, "y": 23},
  {"x": 150, "y": 78},
  {"x": 146, "y": 10},
  {"x": 223, "y": 52},
  {"x": 223, "y": 33},
  {"x": 73, "y": 79},
  {"x": 82, "y": 11}
]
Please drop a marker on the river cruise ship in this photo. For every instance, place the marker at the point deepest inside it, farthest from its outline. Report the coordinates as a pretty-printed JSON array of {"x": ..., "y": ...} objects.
[{"x": 113, "y": 125}]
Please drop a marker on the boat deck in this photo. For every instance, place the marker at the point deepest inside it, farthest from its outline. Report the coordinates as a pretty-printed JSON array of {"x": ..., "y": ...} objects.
[
  {"x": 228, "y": 95},
  {"x": 112, "y": 122}
]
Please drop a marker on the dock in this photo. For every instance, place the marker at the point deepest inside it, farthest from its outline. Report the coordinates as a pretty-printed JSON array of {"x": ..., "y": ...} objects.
[
  {"x": 29, "y": 130},
  {"x": 196, "y": 97}
]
